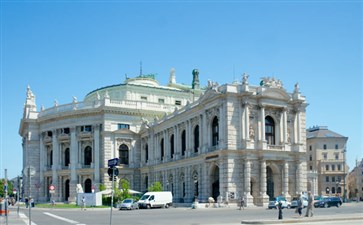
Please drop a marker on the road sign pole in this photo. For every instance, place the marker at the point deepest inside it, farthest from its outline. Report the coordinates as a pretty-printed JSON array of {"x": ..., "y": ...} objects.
[
  {"x": 113, "y": 174},
  {"x": 17, "y": 196}
]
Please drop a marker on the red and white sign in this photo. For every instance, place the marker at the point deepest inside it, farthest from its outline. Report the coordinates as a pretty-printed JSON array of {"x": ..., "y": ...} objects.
[
  {"x": 14, "y": 191},
  {"x": 51, "y": 188}
]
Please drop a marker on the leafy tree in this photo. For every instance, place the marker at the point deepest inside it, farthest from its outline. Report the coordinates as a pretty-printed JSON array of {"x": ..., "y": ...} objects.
[
  {"x": 156, "y": 186},
  {"x": 102, "y": 187},
  {"x": 10, "y": 188},
  {"x": 125, "y": 187}
]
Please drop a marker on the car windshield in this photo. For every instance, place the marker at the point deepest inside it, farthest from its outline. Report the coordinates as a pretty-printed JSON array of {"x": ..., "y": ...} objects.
[
  {"x": 127, "y": 201},
  {"x": 144, "y": 197}
]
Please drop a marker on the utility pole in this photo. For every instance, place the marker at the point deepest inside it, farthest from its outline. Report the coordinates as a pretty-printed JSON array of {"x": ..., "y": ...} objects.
[{"x": 6, "y": 196}]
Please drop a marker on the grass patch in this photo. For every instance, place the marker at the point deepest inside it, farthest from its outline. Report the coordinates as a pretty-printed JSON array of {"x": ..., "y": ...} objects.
[{"x": 65, "y": 206}]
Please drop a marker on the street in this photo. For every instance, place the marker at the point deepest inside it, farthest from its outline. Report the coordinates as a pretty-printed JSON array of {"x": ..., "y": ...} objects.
[{"x": 185, "y": 216}]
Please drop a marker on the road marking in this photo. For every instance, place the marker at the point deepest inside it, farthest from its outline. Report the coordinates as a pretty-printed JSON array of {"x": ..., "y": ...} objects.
[
  {"x": 64, "y": 219},
  {"x": 25, "y": 219}
]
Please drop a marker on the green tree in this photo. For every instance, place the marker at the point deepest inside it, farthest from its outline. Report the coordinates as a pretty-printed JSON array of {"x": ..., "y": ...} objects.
[
  {"x": 156, "y": 186},
  {"x": 102, "y": 187},
  {"x": 10, "y": 188}
]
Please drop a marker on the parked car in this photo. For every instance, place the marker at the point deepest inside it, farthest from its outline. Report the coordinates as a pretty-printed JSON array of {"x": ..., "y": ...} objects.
[
  {"x": 295, "y": 201},
  {"x": 326, "y": 202},
  {"x": 273, "y": 204},
  {"x": 129, "y": 203}
]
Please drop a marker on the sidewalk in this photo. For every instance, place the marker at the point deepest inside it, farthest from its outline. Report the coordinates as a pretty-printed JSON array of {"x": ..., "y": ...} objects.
[
  {"x": 14, "y": 218},
  {"x": 345, "y": 217}
]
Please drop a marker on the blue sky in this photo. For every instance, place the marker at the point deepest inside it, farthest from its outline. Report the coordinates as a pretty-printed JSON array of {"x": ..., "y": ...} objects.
[{"x": 69, "y": 48}]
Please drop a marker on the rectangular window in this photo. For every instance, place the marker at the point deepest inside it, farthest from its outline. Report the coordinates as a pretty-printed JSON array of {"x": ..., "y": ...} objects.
[
  {"x": 332, "y": 179},
  {"x": 87, "y": 128},
  {"x": 311, "y": 168},
  {"x": 333, "y": 167},
  {"x": 310, "y": 148},
  {"x": 66, "y": 130},
  {"x": 327, "y": 167},
  {"x": 144, "y": 98},
  {"x": 123, "y": 126},
  {"x": 324, "y": 146},
  {"x": 336, "y": 156},
  {"x": 336, "y": 146},
  {"x": 161, "y": 101},
  {"x": 339, "y": 178},
  {"x": 325, "y": 156},
  {"x": 326, "y": 179},
  {"x": 339, "y": 167},
  {"x": 311, "y": 158},
  {"x": 177, "y": 102}
]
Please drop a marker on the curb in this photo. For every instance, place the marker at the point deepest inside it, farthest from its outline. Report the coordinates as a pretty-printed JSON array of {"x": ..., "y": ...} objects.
[{"x": 300, "y": 220}]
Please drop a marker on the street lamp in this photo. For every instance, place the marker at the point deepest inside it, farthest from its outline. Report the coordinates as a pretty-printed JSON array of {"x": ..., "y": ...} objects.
[{"x": 327, "y": 191}]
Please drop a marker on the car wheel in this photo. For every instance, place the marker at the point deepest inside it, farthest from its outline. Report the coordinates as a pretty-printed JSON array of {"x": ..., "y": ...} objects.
[
  {"x": 338, "y": 205},
  {"x": 148, "y": 206},
  {"x": 166, "y": 206},
  {"x": 326, "y": 205}
]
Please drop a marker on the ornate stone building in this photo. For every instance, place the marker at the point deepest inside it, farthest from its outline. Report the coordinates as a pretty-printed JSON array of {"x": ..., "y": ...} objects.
[{"x": 222, "y": 140}]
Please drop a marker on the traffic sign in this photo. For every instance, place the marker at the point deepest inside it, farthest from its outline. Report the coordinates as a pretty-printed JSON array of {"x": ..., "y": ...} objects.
[
  {"x": 51, "y": 188},
  {"x": 14, "y": 191},
  {"x": 112, "y": 162}
]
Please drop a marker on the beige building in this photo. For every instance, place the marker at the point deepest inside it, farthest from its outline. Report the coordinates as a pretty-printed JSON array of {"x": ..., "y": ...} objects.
[
  {"x": 221, "y": 140},
  {"x": 355, "y": 182},
  {"x": 326, "y": 155}
]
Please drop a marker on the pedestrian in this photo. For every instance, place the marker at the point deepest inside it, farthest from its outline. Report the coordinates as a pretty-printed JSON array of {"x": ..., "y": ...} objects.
[
  {"x": 242, "y": 206},
  {"x": 300, "y": 204},
  {"x": 309, "y": 210},
  {"x": 26, "y": 202},
  {"x": 83, "y": 202}
]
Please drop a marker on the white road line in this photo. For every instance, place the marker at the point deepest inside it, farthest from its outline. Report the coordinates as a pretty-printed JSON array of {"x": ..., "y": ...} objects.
[
  {"x": 62, "y": 218},
  {"x": 25, "y": 219}
]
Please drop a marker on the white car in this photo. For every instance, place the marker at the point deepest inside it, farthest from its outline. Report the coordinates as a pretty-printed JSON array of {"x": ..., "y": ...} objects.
[
  {"x": 295, "y": 199},
  {"x": 273, "y": 204}
]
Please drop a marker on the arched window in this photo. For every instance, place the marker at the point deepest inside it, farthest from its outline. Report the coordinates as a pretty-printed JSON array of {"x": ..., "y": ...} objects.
[
  {"x": 196, "y": 138},
  {"x": 162, "y": 149},
  {"x": 123, "y": 152},
  {"x": 215, "y": 132},
  {"x": 88, "y": 186},
  {"x": 270, "y": 130},
  {"x": 333, "y": 190},
  {"x": 172, "y": 146},
  {"x": 146, "y": 152},
  {"x": 66, "y": 157},
  {"x": 183, "y": 142},
  {"x": 87, "y": 156}
]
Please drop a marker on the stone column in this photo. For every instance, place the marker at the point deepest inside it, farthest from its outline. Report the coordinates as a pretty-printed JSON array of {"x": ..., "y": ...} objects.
[
  {"x": 261, "y": 136},
  {"x": 222, "y": 128},
  {"x": 56, "y": 167},
  {"x": 284, "y": 119},
  {"x": 97, "y": 157},
  {"x": 247, "y": 184},
  {"x": 286, "y": 181},
  {"x": 298, "y": 126},
  {"x": 203, "y": 125},
  {"x": 263, "y": 184},
  {"x": 43, "y": 160},
  {"x": 247, "y": 122},
  {"x": 298, "y": 177},
  {"x": 74, "y": 162}
]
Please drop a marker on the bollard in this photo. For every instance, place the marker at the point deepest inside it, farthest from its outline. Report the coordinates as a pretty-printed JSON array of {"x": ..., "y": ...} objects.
[{"x": 279, "y": 206}]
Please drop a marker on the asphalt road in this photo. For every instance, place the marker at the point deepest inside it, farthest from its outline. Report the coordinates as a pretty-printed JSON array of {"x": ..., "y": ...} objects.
[{"x": 180, "y": 216}]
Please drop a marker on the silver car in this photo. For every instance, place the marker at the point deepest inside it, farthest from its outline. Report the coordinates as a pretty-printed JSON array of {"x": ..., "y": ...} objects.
[{"x": 129, "y": 203}]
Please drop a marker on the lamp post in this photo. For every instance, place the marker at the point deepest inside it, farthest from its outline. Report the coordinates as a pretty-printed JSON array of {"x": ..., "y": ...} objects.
[{"x": 327, "y": 191}]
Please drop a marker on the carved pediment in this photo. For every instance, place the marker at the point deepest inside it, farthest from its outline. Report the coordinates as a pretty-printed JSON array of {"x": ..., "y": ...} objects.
[
  {"x": 276, "y": 93},
  {"x": 124, "y": 131}
]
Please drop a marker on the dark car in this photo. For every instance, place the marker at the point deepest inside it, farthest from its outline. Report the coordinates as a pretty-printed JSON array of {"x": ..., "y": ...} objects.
[{"x": 326, "y": 202}]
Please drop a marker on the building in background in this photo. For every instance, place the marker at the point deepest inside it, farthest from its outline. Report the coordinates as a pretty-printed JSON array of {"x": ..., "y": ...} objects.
[
  {"x": 326, "y": 155},
  {"x": 220, "y": 140},
  {"x": 355, "y": 182}
]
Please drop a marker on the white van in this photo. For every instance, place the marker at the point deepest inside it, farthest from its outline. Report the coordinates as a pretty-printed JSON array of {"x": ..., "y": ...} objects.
[{"x": 156, "y": 199}]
